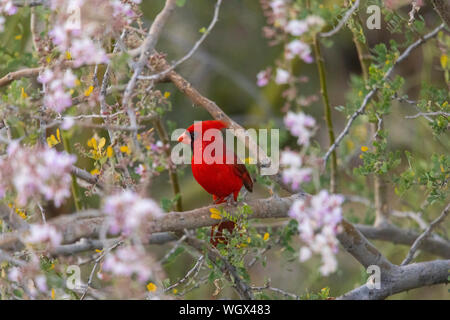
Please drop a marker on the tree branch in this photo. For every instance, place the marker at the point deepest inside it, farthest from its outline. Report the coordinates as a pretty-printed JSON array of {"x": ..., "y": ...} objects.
[
  {"x": 400, "y": 279},
  {"x": 372, "y": 92}
]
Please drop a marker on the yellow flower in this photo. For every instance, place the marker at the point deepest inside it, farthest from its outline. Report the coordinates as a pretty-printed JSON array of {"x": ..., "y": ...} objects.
[
  {"x": 125, "y": 149},
  {"x": 215, "y": 214},
  {"x": 98, "y": 250},
  {"x": 97, "y": 147},
  {"x": 21, "y": 213},
  {"x": 92, "y": 143},
  {"x": 68, "y": 55},
  {"x": 249, "y": 240},
  {"x": 95, "y": 172},
  {"x": 166, "y": 94},
  {"x": 23, "y": 94},
  {"x": 364, "y": 148},
  {"x": 88, "y": 91},
  {"x": 249, "y": 160},
  {"x": 444, "y": 61},
  {"x": 52, "y": 266},
  {"x": 53, "y": 294},
  {"x": 151, "y": 287},
  {"x": 109, "y": 152},
  {"x": 52, "y": 141},
  {"x": 18, "y": 37},
  {"x": 77, "y": 82},
  {"x": 174, "y": 291},
  {"x": 266, "y": 236}
]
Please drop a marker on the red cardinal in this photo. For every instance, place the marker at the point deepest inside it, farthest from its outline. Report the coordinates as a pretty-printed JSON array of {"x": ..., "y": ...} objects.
[{"x": 213, "y": 173}]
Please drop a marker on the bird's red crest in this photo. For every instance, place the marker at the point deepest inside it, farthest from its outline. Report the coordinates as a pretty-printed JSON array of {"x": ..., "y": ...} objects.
[{"x": 209, "y": 124}]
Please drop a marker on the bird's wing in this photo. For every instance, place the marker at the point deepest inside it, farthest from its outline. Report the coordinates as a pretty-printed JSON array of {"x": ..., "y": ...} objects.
[{"x": 241, "y": 171}]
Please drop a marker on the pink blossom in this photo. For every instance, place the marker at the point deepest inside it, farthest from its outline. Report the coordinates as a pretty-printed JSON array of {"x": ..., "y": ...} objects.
[
  {"x": 67, "y": 123},
  {"x": 85, "y": 51},
  {"x": 127, "y": 261},
  {"x": 292, "y": 172},
  {"x": 56, "y": 96},
  {"x": 296, "y": 27},
  {"x": 301, "y": 126},
  {"x": 262, "y": 78},
  {"x": 37, "y": 172},
  {"x": 140, "y": 170},
  {"x": 69, "y": 79},
  {"x": 14, "y": 274},
  {"x": 315, "y": 21},
  {"x": 300, "y": 49},
  {"x": 127, "y": 211},
  {"x": 44, "y": 233},
  {"x": 319, "y": 220},
  {"x": 7, "y": 6},
  {"x": 279, "y": 11}
]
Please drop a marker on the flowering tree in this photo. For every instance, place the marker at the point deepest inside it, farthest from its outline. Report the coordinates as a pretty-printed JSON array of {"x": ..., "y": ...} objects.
[{"x": 83, "y": 143}]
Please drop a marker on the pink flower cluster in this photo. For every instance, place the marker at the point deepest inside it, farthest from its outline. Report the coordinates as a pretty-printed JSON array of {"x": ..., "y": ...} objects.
[
  {"x": 44, "y": 233},
  {"x": 281, "y": 77},
  {"x": 128, "y": 261},
  {"x": 127, "y": 211},
  {"x": 34, "y": 172},
  {"x": 298, "y": 27},
  {"x": 300, "y": 49},
  {"x": 319, "y": 220},
  {"x": 292, "y": 172},
  {"x": 56, "y": 84},
  {"x": 301, "y": 126},
  {"x": 30, "y": 276},
  {"x": 6, "y": 7}
]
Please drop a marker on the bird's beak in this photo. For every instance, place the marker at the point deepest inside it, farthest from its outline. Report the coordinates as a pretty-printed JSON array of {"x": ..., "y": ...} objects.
[{"x": 185, "y": 138}]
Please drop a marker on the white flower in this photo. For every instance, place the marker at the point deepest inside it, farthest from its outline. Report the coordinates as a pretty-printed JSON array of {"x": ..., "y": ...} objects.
[
  {"x": 128, "y": 211},
  {"x": 127, "y": 261},
  {"x": 37, "y": 172},
  {"x": 300, "y": 125},
  {"x": 317, "y": 230},
  {"x": 305, "y": 254},
  {"x": 282, "y": 76},
  {"x": 292, "y": 172},
  {"x": 296, "y": 27},
  {"x": 262, "y": 78},
  {"x": 300, "y": 49},
  {"x": 315, "y": 21},
  {"x": 44, "y": 233}
]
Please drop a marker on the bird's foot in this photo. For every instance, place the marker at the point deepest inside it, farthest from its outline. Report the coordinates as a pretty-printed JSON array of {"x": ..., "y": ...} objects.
[{"x": 230, "y": 200}]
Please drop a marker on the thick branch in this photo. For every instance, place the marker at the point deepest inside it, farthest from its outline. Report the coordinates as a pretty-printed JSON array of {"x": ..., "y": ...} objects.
[
  {"x": 400, "y": 279},
  {"x": 388, "y": 232}
]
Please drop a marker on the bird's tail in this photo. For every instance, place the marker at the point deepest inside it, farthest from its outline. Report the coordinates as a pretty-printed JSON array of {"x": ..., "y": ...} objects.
[{"x": 217, "y": 232}]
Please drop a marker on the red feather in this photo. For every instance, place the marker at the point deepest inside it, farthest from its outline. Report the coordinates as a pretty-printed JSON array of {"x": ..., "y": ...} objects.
[{"x": 219, "y": 179}]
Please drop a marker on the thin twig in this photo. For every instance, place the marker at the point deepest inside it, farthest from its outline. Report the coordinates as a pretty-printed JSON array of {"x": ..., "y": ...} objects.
[
  {"x": 342, "y": 22},
  {"x": 372, "y": 92},
  {"x": 193, "y": 271},
  {"x": 146, "y": 50},
  {"x": 193, "y": 49},
  {"x": 97, "y": 261},
  {"x": 416, "y": 245}
]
